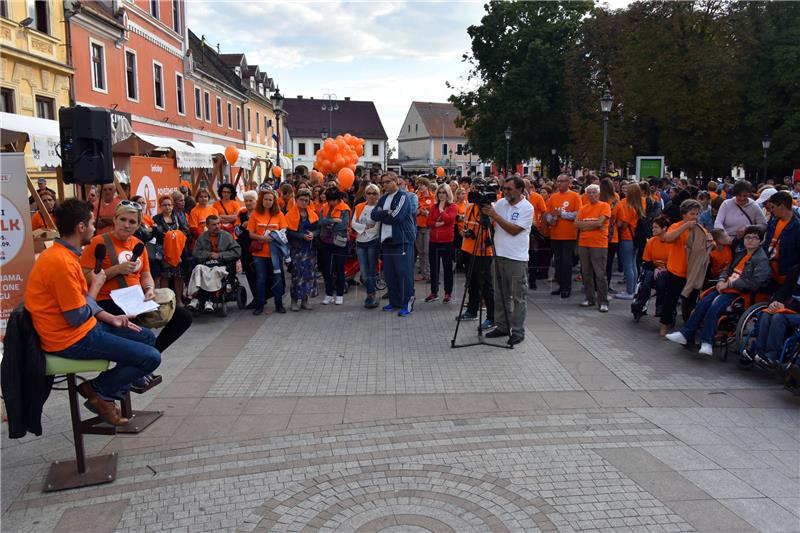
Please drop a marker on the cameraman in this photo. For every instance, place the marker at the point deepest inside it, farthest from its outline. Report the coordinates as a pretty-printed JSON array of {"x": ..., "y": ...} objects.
[{"x": 512, "y": 217}]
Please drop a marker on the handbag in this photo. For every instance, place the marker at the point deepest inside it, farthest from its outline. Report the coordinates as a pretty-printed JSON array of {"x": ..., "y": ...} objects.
[
  {"x": 256, "y": 246},
  {"x": 155, "y": 252},
  {"x": 165, "y": 298}
]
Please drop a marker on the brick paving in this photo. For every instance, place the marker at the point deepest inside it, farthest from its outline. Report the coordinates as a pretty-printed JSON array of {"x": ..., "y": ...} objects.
[{"x": 347, "y": 420}]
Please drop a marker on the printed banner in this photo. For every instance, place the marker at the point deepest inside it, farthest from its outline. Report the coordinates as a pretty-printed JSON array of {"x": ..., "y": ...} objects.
[
  {"x": 152, "y": 177},
  {"x": 16, "y": 241}
]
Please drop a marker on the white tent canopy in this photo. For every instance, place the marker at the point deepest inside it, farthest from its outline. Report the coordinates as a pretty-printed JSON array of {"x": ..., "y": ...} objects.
[
  {"x": 43, "y": 135},
  {"x": 186, "y": 156}
]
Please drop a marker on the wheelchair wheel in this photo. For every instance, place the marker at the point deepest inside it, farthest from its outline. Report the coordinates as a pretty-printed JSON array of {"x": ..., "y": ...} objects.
[
  {"x": 380, "y": 283},
  {"x": 241, "y": 297},
  {"x": 748, "y": 321}
]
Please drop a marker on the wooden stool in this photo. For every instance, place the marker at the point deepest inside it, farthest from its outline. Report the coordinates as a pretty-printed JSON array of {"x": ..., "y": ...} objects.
[
  {"x": 81, "y": 472},
  {"x": 139, "y": 420}
]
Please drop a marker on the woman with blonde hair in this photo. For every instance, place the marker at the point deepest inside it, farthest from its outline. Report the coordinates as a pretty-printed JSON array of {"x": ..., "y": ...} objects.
[
  {"x": 368, "y": 244},
  {"x": 441, "y": 221}
]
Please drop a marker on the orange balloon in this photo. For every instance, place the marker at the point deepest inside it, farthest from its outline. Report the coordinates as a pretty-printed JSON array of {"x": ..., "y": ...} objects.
[
  {"x": 231, "y": 154},
  {"x": 277, "y": 171},
  {"x": 360, "y": 150},
  {"x": 440, "y": 172},
  {"x": 346, "y": 179}
]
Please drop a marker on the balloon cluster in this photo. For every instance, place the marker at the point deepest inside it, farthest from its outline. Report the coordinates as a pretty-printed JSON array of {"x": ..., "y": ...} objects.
[{"x": 341, "y": 152}]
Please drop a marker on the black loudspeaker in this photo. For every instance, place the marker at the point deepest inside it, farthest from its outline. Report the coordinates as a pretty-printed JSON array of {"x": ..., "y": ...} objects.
[{"x": 86, "y": 145}]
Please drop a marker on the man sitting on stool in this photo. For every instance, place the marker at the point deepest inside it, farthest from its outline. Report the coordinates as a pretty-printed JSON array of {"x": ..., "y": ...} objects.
[
  {"x": 214, "y": 250},
  {"x": 70, "y": 324},
  {"x": 512, "y": 217}
]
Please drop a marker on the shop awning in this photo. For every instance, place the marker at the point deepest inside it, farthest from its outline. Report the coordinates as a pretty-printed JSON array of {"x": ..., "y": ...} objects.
[
  {"x": 186, "y": 156},
  {"x": 43, "y": 134}
]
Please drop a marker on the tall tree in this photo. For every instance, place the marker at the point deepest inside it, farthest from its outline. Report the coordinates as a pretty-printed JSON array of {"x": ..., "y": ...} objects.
[{"x": 518, "y": 56}]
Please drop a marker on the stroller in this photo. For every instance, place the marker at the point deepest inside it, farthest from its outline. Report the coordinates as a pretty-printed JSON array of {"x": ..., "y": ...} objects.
[{"x": 352, "y": 269}]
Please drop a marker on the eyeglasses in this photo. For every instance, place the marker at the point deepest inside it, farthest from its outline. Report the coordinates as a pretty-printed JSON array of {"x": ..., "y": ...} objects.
[
  {"x": 755, "y": 237},
  {"x": 372, "y": 194},
  {"x": 128, "y": 203}
]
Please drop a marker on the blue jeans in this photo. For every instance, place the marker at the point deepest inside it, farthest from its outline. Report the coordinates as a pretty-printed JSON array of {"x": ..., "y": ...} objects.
[
  {"x": 627, "y": 254},
  {"x": 707, "y": 313},
  {"x": 133, "y": 353},
  {"x": 367, "y": 253},
  {"x": 262, "y": 264},
  {"x": 773, "y": 330}
]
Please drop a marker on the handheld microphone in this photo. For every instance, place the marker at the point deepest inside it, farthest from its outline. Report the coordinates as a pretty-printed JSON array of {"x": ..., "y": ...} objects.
[
  {"x": 99, "y": 255},
  {"x": 137, "y": 251}
]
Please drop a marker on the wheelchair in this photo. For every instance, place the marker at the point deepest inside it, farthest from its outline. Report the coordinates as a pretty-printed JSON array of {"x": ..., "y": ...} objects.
[
  {"x": 232, "y": 289},
  {"x": 790, "y": 353},
  {"x": 738, "y": 320}
]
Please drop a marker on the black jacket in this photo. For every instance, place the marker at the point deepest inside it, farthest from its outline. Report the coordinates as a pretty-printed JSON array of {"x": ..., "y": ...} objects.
[{"x": 22, "y": 375}]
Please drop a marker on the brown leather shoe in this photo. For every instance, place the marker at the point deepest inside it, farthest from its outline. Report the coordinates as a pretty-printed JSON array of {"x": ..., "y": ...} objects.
[
  {"x": 86, "y": 390},
  {"x": 108, "y": 411}
]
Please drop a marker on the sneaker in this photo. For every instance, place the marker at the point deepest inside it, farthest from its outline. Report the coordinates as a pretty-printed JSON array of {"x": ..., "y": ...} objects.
[
  {"x": 565, "y": 294},
  {"x": 446, "y": 299},
  {"x": 431, "y": 298},
  {"x": 327, "y": 300},
  {"x": 208, "y": 307},
  {"x": 555, "y": 292},
  {"x": 496, "y": 334},
  {"x": 403, "y": 313},
  {"x": 624, "y": 296},
  {"x": 586, "y": 303},
  {"x": 410, "y": 304},
  {"x": 612, "y": 290},
  {"x": 194, "y": 305},
  {"x": 466, "y": 315},
  {"x": 339, "y": 300},
  {"x": 677, "y": 336},
  {"x": 295, "y": 305},
  {"x": 389, "y": 307},
  {"x": 706, "y": 348},
  {"x": 487, "y": 324},
  {"x": 305, "y": 304},
  {"x": 288, "y": 260},
  {"x": 604, "y": 308},
  {"x": 419, "y": 278}
]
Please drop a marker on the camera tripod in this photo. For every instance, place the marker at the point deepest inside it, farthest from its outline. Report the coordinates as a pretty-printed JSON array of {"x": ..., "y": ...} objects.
[{"x": 485, "y": 233}]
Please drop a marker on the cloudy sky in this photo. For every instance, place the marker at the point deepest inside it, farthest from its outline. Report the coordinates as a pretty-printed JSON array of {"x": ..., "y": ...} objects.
[{"x": 390, "y": 52}]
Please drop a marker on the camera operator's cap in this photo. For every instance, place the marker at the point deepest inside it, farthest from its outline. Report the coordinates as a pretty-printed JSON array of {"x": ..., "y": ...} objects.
[{"x": 42, "y": 181}]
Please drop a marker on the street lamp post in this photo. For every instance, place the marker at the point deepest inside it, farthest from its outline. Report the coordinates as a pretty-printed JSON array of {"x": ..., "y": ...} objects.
[
  {"x": 508, "y": 133},
  {"x": 765, "y": 142},
  {"x": 323, "y": 134},
  {"x": 553, "y": 170},
  {"x": 330, "y": 107},
  {"x": 605, "y": 106},
  {"x": 277, "y": 106},
  {"x": 469, "y": 150}
]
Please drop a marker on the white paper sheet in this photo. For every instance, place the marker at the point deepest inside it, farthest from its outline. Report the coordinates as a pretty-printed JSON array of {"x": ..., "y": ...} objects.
[{"x": 131, "y": 300}]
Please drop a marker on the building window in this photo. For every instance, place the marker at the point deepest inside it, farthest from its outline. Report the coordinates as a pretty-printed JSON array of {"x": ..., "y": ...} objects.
[
  {"x": 238, "y": 118},
  {"x": 39, "y": 12},
  {"x": 249, "y": 129},
  {"x": 219, "y": 111},
  {"x": 176, "y": 16},
  {"x": 4, "y": 8},
  {"x": 459, "y": 149},
  {"x": 230, "y": 116},
  {"x": 266, "y": 128},
  {"x": 207, "y": 106},
  {"x": 131, "y": 77},
  {"x": 258, "y": 123},
  {"x": 317, "y": 146},
  {"x": 409, "y": 128},
  {"x": 444, "y": 148},
  {"x": 179, "y": 93},
  {"x": 198, "y": 106},
  {"x": 376, "y": 149},
  {"x": 98, "y": 54},
  {"x": 7, "y": 100},
  {"x": 158, "y": 85},
  {"x": 45, "y": 108},
  {"x": 154, "y": 8},
  {"x": 301, "y": 148}
]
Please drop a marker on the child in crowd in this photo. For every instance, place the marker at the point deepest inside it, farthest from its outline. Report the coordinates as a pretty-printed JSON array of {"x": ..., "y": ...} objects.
[{"x": 721, "y": 254}]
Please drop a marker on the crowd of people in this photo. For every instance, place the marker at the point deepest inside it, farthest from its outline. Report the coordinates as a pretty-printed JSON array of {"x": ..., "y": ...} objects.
[{"x": 699, "y": 248}]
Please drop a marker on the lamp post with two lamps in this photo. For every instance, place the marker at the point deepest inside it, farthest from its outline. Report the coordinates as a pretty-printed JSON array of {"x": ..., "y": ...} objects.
[
  {"x": 277, "y": 107},
  {"x": 605, "y": 106},
  {"x": 330, "y": 106},
  {"x": 508, "y": 133}
]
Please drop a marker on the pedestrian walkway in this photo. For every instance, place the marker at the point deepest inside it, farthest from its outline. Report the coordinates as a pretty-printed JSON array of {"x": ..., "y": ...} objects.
[{"x": 353, "y": 420}]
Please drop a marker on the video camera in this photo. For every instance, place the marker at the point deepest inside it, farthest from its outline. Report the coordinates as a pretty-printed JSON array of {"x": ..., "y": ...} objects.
[{"x": 482, "y": 193}]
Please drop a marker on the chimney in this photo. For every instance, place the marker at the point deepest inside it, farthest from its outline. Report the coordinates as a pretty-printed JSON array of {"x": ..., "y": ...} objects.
[
  {"x": 299, "y": 96},
  {"x": 346, "y": 98}
]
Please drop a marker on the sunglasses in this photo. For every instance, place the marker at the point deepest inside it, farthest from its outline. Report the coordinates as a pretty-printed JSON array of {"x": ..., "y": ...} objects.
[
  {"x": 128, "y": 203},
  {"x": 372, "y": 194}
]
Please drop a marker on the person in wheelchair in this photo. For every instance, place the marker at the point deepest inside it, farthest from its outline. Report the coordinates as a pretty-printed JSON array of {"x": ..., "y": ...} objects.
[
  {"x": 748, "y": 271},
  {"x": 654, "y": 269},
  {"x": 215, "y": 252}
]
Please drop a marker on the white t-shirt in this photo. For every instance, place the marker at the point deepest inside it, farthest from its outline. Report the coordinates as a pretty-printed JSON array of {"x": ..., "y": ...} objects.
[
  {"x": 386, "y": 229},
  {"x": 513, "y": 246}
]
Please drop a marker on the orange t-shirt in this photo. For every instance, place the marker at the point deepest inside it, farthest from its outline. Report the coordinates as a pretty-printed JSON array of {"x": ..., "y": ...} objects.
[
  {"x": 539, "y": 207},
  {"x": 37, "y": 222},
  {"x": 425, "y": 202},
  {"x": 677, "y": 262},
  {"x": 625, "y": 213},
  {"x": 147, "y": 220},
  {"x": 261, "y": 224},
  {"x": 462, "y": 211},
  {"x": 719, "y": 259},
  {"x": 657, "y": 252},
  {"x": 57, "y": 284},
  {"x": 231, "y": 207},
  {"x": 198, "y": 215},
  {"x": 594, "y": 238},
  {"x": 104, "y": 210},
  {"x": 712, "y": 195},
  {"x": 471, "y": 221},
  {"x": 564, "y": 230},
  {"x": 124, "y": 252}
]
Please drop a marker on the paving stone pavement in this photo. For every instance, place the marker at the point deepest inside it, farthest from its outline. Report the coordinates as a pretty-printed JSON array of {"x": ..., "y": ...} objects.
[{"x": 348, "y": 420}]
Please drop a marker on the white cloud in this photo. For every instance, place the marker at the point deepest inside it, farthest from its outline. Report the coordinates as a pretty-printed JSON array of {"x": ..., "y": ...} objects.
[{"x": 389, "y": 52}]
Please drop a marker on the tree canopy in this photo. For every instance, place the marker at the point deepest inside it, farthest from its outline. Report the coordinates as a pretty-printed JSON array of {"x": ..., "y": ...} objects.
[{"x": 699, "y": 82}]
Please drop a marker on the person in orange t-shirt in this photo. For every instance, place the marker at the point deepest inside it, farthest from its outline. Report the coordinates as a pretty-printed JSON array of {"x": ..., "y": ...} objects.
[
  {"x": 69, "y": 322},
  {"x": 104, "y": 211},
  {"x": 227, "y": 207},
  {"x": 677, "y": 235},
  {"x": 266, "y": 218},
  {"x": 592, "y": 221},
  {"x": 563, "y": 207},
  {"x": 627, "y": 214},
  {"x": 198, "y": 214},
  {"x": 49, "y": 201},
  {"x": 721, "y": 254},
  {"x": 426, "y": 201},
  {"x": 654, "y": 267}
]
